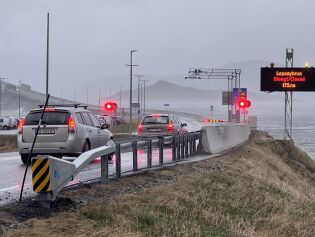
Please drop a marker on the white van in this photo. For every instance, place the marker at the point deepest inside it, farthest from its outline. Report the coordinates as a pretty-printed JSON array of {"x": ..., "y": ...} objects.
[{"x": 5, "y": 123}]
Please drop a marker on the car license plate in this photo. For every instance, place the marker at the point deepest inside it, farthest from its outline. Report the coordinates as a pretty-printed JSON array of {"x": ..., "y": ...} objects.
[
  {"x": 46, "y": 131},
  {"x": 155, "y": 129}
]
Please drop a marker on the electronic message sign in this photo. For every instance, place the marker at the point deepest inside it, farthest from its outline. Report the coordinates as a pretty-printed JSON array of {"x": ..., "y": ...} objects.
[{"x": 287, "y": 79}]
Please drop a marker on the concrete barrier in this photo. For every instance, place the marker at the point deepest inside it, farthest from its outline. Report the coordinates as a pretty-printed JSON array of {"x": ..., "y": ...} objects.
[{"x": 216, "y": 139}]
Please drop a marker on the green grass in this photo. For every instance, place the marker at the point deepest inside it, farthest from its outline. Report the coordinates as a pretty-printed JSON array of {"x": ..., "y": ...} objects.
[
  {"x": 124, "y": 128},
  {"x": 8, "y": 143},
  {"x": 211, "y": 204}
]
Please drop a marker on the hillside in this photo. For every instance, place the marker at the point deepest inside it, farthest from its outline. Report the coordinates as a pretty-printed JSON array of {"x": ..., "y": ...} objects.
[
  {"x": 167, "y": 92},
  {"x": 29, "y": 99},
  {"x": 264, "y": 188}
]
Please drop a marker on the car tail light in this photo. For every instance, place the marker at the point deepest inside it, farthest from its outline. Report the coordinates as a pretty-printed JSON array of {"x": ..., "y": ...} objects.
[
  {"x": 170, "y": 128},
  {"x": 140, "y": 129},
  {"x": 49, "y": 109},
  {"x": 21, "y": 124},
  {"x": 71, "y": 125}
]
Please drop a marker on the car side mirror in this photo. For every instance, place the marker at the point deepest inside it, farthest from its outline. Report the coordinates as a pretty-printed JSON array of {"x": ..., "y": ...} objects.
[
  {"x": 183, "y": 125},
  {"x": 105, "y": 126}
]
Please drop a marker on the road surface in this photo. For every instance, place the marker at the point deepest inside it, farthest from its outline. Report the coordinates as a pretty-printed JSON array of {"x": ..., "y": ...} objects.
[{"x": 12, "y": 170}]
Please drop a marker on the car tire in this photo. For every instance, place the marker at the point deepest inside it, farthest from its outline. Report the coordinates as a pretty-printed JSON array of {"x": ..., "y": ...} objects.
[
  {"x": 5, "y": 127},
  {"x": 24, "y": 158},
  {"x": 86, "y": 146}
]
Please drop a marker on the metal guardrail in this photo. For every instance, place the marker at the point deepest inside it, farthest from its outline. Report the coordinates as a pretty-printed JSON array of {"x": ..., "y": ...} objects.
[{"x": 61, "y": 172}]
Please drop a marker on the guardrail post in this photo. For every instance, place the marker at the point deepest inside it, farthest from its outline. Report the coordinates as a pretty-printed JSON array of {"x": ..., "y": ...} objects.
[
  {"x": 104, "y": 169},
  {"x": 178, "y": 147},
  {"x": 118, "y": 161},
  {"x": 135, "y": 155},
  {"x": 190, "y": 144},
  {"x": 194, "y": 143},
  {"x": 182, "y": 156},
  {"x": 186, "y": 145},
  {"x": 161, "y": 145},
  {"x": 174, "y": 148},
  {"x": 149, "y": 158}
]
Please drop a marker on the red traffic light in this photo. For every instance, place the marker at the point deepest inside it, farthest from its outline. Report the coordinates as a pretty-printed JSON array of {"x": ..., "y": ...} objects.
[
  {"x": 244, "y": 103},
  {"x": 110, "y": 106}
]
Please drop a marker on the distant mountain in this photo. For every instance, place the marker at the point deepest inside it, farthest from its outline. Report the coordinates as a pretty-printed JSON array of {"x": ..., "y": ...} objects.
[
  {"x": 166, "y": 92},
  {"x": 250, "y": 78},
  {"x": 29, "y": 99},
  {"x": 174, "y": 88}
]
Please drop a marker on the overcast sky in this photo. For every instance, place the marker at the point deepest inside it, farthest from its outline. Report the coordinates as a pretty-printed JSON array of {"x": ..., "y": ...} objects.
[{"x": 91, "y": 39}]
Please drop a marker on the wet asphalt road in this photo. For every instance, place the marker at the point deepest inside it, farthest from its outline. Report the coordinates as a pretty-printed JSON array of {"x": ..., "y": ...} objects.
[{"x": 12, "y": 170}]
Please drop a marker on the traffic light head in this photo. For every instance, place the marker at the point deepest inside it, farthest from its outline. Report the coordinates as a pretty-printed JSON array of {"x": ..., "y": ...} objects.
[
  {"x": 244, "y": 103},
  {"x": 110, "y": 107}
]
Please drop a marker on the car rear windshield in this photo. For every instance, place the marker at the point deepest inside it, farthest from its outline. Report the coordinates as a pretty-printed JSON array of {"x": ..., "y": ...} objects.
[
  {"x": 50, "y": 118},
  {"x": 155, "y": 120}
]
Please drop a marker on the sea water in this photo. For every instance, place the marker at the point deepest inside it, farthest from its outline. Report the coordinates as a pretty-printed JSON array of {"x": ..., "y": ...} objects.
[{"x": 270, "y": 118}]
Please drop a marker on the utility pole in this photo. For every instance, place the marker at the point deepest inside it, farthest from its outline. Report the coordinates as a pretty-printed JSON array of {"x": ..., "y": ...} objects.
[
  {"x": 87, "y": 96},
  {"x": 139, "y": 93},
  {"x": 120, "y": 100},
  {"x": 144, "y": 81},
  {"x": 74, "y": 95},
  {"x": 19, "y": 99},
  {"x": 99, "y": 100},
  {"x": 130, "y": 92},
  {"x": 47, "y": 56},
  {"x": 1, "y": 92}
]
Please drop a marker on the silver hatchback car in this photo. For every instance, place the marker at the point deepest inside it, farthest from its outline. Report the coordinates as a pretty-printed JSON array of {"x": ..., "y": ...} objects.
[
  {"x": 160, "y": 125},
  {"x": 65, "y": 131}
]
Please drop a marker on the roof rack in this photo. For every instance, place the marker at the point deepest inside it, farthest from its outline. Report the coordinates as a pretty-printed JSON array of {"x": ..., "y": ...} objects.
[{"x": 64, "y": 105}]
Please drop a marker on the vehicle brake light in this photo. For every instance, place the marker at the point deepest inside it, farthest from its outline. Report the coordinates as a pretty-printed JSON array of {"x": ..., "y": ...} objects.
[
  {"x": 71, "y": 125},
  {"x": 49, "y": 109},
  {"x": 170, "y": 128},
  {"x": 140, "y": 129},
  {"x": 20, "y": 127}
]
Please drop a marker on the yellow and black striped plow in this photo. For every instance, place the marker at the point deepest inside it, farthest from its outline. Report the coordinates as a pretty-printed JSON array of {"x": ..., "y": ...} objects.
[{"x": 41, "y": 175}]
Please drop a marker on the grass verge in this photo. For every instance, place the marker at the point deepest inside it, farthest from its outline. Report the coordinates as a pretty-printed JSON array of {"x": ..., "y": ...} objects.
[
  {"x": 8, "y": 143},
  {"x": 265, "y": 188}
]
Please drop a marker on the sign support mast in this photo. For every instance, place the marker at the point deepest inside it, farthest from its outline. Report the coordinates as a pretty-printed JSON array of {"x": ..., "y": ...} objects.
[{"x": 288, "y": 100}]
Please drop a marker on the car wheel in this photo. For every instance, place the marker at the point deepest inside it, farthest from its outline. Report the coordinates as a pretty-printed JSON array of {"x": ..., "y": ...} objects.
[
  {"x": 5, "y": 127},
  {"x": 86, "y": 146},
  {"x": 24, "y": 158}
]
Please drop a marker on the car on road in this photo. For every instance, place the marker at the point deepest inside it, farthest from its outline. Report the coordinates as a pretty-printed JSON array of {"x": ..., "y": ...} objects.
[
  {"x": 161, "y": 125},
  {"x": 65, "y": 131}
]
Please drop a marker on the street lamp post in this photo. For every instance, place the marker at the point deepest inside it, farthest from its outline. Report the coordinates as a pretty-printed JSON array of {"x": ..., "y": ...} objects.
[
  {"x": 19, "y": 99},
  {"x": 3, "y": 78},
  {"x": 139, "y": 92},
  {"x": 130, "y": 93},
  {"x": 47, "y": 56},
  {"x": 166, "y": 105},
  {"x": 144, "y": 81}
]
